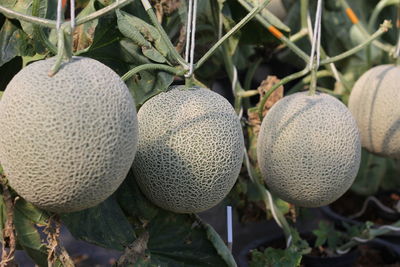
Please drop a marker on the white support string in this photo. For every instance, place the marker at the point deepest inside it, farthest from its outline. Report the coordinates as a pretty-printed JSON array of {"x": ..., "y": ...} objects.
[
  {"x": 316, "y": 40},
  {"x": 72, "y": 14},
  {"x": 191, "y": 36},
  {"x": 59, "y": 14},
  {"x": 193, "y": 39},
  {"x": 335, "y": 72},
  {"x": 188, "y": 30}
]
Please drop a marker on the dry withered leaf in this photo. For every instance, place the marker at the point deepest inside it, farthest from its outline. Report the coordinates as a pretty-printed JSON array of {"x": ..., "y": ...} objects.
[
  {"x": 165, "y": 7},
  {"x": 134, "y": 251},
  {"x": 83, "y": 37},
  {"x": 264, "y": 87},
  {"x": 254, "y": 119}
]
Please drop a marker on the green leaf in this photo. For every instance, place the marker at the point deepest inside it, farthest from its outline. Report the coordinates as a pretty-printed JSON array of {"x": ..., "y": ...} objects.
[
  {"x": 149, "y": 84},
  {"x": 104, "y": 225},
  {"x": 143, "y": 35},
  {"x": 391, "y": 181},
  {"x": 219, "y": 245},
  {"x": 133, "y": 202},
  {"x": 370, "y": 175},
  {"x": 174, "y": 239},
  {"x": 275, "y": 257},
  {"x": 106, "y": 39},
  {"x": 178, "y": 240},
  {"x": 37, "y": 216},
  {"x": 326, "y": 235},
  {"x": 13, "y": 42},
  {"x": 29, "y": 238}
]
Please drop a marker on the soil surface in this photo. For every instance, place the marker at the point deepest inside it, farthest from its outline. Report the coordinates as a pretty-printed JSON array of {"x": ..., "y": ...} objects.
[{"x": 350, "y": 204}]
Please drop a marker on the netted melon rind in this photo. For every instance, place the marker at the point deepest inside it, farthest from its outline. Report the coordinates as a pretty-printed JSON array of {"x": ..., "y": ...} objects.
[
  {"x": 190, "y": 149},
  {"x": 309, "y": 149},
  {"x": 375, "y": 104},
  {"x": 67, "y": 142}
]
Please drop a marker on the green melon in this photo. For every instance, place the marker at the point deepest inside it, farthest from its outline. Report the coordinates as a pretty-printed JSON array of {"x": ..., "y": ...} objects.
[
  {"x": 190, "y": 149},
  {"x": 68, "y": 141},
  {"x": 309, "y": 149},
  {"x": 375, "y": 104}
]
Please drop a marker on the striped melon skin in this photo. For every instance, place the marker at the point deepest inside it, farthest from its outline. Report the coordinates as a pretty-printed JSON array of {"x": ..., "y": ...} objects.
[
  {"x": 190, "y": 149},
  {"x": 375, "y": 104},
  {"x": 67, "y": 142},
  {"x": 309, "y": 149}
]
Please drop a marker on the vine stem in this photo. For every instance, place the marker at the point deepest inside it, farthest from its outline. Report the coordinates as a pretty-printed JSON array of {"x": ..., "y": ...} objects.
[
  {"x": 303, "y": 13},
  {"x": 285, "y": 80},
  {"x": 153, "y": 17},
  {"x": 173, "y": 70},
  {"x": 384, "y": 28},
  {"x": 9, "y": 13},
  {"x": 282, "y": 38},
  {"x": 360, "y": 26},
  {"x": 237, "y": 27},
  {"x": 313, "y": 82},
  {"x": 60, "y": 49},
  {"x": 294, "y": 38},
  {"x": 371, "y": 234},
  {"x": 52, "y": 24},
  {"x": 248, "y": 93},
  {"x": 103, "y": 11},
  {"x": 378, "y": 9}
]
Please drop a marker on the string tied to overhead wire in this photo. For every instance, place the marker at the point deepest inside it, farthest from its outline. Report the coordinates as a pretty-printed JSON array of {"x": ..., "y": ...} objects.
[
  {"x": 60, "y": 18},
  {"x": 190, "y": 36},
  {"x": 63, "y": 49},
  {"x": 316, "y": 40}
]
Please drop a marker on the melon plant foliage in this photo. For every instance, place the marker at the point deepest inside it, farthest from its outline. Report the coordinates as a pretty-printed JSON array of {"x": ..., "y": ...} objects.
[
  {"x": 125, "y": 216},
  {"x": 125, "y": 39}
]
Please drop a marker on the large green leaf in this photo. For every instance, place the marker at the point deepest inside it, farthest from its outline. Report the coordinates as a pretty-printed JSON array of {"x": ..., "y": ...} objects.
[
  {"x": 13, "y": 42},
  {"x": 26, "y": 218},
  {"x": 147, "y": 83},
  {"x": 106, "y": 38},
  {"x": 104, "y": 225},
  {"x": 143, "y": 35},
  {"x": 371, "y": 173},
  {"x": 174, "y": 239}
]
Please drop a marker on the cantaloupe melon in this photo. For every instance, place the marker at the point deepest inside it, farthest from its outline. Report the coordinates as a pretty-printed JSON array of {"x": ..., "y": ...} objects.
[
  {"x": 68, "y": 141},
  {"x": 375, "y": 104},
  {"x": 309, "y": 149},
  {"x": 190, "y": 149}
]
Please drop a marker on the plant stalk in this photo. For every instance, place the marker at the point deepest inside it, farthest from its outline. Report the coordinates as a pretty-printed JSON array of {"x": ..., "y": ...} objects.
[
  {"x": 164, "y": 36},
  {"x": 103, "y": 11},
  {"x": 237, "y": 27},
  {"x": 384, "y": 28},
  {"x": 9, "y": 13},
  {"x": 173, "y": 70},
  {"x": 285, "y": 80},
  {"x": 282, "y": 38}
]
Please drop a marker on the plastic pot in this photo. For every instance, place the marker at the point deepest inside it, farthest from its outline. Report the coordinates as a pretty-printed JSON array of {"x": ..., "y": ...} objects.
[{"x": 389, "y": 252}]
